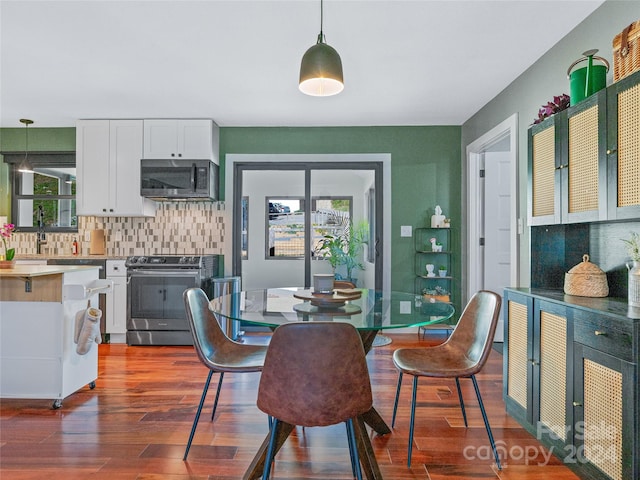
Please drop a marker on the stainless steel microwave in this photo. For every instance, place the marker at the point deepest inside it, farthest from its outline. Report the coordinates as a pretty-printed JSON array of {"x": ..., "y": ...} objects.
[{"x": 179, "y": 179}]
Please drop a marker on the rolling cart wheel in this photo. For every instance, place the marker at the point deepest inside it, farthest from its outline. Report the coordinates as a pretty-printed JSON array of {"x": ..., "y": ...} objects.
[
  {"x": 57, "y": 404},
  {"x": 92, "y": 385}
]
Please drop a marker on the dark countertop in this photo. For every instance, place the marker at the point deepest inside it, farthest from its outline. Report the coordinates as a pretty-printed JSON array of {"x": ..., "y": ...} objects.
[{"x": 608, "y": 305}]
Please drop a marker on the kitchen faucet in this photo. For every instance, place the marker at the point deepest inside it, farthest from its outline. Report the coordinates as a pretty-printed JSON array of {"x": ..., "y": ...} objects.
[{"x": 41, "y": 236}]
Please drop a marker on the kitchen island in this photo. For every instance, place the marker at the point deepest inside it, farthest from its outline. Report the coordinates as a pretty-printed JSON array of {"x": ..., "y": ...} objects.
[{"x": 38, "y": 351}]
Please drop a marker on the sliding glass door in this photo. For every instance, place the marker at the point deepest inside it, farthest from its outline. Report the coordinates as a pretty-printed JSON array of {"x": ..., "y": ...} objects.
[{"x": 288, "y": 219}]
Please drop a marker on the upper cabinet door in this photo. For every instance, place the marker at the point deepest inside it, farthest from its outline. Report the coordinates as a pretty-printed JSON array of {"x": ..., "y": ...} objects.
[
  {"x": 623, "y": 138},
  {"x": 545, "y": 142},
  {"x": 179, "y": 139},
  {"x": 584, "y": 173},
  {"x": 92, "y": 167}
]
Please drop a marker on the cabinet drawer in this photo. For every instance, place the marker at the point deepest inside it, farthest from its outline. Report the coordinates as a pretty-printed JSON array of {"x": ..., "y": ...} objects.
[
  {"x": 116, "y": 268},
  {"x": 604, "y": 333}
]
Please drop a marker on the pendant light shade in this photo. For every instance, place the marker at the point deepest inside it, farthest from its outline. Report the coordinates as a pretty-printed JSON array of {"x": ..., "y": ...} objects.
[
  {"x": 25, "y": 166},
  {"x": 321, "y": 68}
]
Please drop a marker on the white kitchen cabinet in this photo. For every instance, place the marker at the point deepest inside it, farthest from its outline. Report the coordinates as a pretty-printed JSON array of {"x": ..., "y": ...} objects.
[
  {"x": 181, "y": 139},
  {"x": 108, "y": 154},
  {"x": 116, "y": 325}
]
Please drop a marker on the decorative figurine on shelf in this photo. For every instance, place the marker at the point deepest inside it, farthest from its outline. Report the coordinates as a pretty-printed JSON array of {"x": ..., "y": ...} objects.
[
  {"x": 436, "y": 246},
  {"x": 447, "y": 223},
  {"x": 437, "y": 220},
  {"x": 430, "y": 268}
]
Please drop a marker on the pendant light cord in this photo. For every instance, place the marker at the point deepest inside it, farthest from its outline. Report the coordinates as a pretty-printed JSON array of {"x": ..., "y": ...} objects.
[{"x": 321, "y": 35}]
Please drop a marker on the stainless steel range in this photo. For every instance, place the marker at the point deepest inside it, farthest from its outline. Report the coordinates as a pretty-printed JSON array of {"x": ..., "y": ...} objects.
[{"x": 155, "y": 309}]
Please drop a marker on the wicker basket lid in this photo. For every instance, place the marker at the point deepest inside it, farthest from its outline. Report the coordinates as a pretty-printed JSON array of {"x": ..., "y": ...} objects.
[{"x": 586, "y": 267}]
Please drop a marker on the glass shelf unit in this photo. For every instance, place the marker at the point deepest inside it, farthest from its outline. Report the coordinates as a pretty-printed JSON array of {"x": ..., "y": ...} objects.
[{"x": 433, "y": 246}]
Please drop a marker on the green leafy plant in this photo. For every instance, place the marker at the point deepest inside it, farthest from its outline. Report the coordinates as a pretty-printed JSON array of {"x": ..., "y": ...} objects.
[
  {"x": 6, "y": 231},
  {"x": 442, "y": 267},
  {"x": 633, "y": 246},
  {"x": 344, "y": 248}
]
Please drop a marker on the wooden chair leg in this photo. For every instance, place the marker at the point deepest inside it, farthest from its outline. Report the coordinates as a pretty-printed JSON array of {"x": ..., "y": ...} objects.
[
  {"x": 195, "y": 420},
  {"x": 395, "y": 403},
  {"x": 486, "y": 422}
]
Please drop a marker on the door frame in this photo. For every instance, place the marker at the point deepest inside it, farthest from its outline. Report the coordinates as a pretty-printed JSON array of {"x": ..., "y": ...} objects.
[
  {"x": 475, "y": 151},
  {"x": 379, "y": 162}
]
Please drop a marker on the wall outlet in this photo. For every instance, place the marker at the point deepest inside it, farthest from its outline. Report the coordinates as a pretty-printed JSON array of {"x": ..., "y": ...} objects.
[
  {"x": 405, "y": 307},
  {"x": 405, "y": 231},
  {"x": 87, "y": 235}
]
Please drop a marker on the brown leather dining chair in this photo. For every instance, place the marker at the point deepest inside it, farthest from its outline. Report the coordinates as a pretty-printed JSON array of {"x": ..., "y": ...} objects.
[
  {"x": 462, "y": 355},
  {"x": 315, "y": 374},
  {"x": 215, "y": 350}
]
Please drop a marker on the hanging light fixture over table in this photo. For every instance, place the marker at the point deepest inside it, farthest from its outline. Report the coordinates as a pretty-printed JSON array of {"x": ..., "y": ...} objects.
[
  {"x": 321, "y": 68},
  {"x": 25, "y": 166}
]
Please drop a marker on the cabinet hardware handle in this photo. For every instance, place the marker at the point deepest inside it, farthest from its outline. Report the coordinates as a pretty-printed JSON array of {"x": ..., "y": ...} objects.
[
  {"x": 600, "y": 332},
  {"x": 577, "y": 404},
  {"x": 534, "y": 363},
  {"x": 613, "y": 150}
]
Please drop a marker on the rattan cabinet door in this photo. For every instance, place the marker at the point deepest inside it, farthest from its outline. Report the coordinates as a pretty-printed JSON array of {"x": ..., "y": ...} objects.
[
  {"x": 518, "y": 352},
  {"x": 545, "y": 150},
  {"x": 605, "y": 409},
  {"x": 623, "y": 139},
  {"x": 552, "y": 366},
  {"x": 584, "y": 171}
]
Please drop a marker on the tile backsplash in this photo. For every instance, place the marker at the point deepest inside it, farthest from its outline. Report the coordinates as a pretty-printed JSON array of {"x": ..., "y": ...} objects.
[{"x": 178, "y": 228}]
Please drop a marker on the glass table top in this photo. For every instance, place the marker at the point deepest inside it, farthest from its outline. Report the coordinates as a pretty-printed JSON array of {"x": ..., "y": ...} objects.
[{"x": 373, "y": 310}]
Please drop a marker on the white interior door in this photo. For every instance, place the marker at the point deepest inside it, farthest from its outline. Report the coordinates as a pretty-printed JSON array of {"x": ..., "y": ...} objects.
[{"x": 497, "y": 228}]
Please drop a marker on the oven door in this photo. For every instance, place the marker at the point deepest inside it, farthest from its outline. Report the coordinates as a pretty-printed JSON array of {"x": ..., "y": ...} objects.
[{"x": 155, "y": 301}]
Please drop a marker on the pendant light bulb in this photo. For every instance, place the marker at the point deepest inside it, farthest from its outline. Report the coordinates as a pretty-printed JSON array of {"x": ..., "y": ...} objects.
[
  {"x": 25, "y": 166},
  {"x": 321, "y": 68}
]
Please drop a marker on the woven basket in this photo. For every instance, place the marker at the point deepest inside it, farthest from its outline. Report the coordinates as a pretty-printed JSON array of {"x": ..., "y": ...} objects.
[
  {"x": 626, "y": 51},
  {"x": 586, "y": 280}
]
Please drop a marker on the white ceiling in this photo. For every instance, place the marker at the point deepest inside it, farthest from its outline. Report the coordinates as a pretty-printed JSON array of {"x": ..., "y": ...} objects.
[{"x": 405, "y": 62}]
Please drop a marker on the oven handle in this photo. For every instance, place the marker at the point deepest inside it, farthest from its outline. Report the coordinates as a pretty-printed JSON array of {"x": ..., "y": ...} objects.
[{"x": 163, "y": 273}]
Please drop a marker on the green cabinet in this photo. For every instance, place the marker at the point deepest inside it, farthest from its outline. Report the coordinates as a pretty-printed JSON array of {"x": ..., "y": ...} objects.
[
  {"x": 568, "y": 165},
  {"x": 584, "y": 162},
  {"x": 538, "y": 362},
  {"x": 623, "y": 139},
  {"x": 571, "y": 378}
]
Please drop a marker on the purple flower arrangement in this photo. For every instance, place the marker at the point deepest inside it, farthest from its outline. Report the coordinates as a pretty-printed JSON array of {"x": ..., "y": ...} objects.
[{"x": 558, "y": 104}]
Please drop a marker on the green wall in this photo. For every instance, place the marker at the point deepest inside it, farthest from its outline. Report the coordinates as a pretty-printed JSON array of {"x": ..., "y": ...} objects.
[{"x": 425, "y": 172}]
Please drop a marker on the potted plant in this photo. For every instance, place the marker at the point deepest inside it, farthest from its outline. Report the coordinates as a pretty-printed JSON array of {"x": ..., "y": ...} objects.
[
  {"x": 6, "y": 260},
  {"x": 442, "y": 271},
  {"x": 633, "y": 249},
  {"x": 345, "y": 248},
  {"x": 633, "y": 246}
]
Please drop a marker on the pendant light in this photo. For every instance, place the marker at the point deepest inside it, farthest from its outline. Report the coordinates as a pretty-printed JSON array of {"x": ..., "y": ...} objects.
[
  {"x": 321, "y": 68},
  {"x": 25, "y": 166}
]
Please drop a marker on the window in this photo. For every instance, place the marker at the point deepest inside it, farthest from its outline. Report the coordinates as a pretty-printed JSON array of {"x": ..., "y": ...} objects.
[
  {"x": 285, "y": 227},
  {"x": 51, "y": 188},
  {"x": 285, "y": 234}
]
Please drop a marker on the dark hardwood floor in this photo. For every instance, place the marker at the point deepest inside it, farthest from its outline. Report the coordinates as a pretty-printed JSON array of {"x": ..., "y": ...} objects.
[{"x": 135, "y": 425}]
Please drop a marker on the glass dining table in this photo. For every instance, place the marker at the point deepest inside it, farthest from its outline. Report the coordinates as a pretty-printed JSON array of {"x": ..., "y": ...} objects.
[{"x": 369, "y": 311}]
